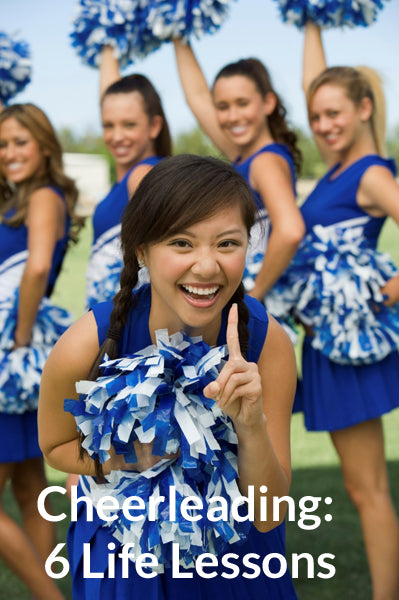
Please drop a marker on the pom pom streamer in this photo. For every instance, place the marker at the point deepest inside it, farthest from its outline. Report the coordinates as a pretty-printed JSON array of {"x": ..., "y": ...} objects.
[
  {"x": 334, "y": 283},
  {"x": 155, "y": 397},
  {"x": 21, "y": 369},
  {"x": 15, "y": 66},
  {"x": 135, "y": 28},
  {"x": 169, "y": 19},
  {"x": 330, "y": 13}
]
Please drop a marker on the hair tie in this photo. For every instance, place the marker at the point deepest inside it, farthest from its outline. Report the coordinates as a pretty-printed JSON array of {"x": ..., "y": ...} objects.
[{"x": 114, "y": 334}]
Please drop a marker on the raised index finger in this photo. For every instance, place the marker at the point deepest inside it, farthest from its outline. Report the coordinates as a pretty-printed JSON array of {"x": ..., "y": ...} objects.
[{"x": 233, "y": 341}]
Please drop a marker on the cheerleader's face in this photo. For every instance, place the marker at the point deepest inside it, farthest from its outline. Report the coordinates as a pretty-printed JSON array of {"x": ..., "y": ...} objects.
[
  {"x": 335, "y": 120},
  {"x": 21, "y": 156},
  {"x": 195, "y": 273},
  {"x": 242, "y": 112},
  {"x": 128, "y": 131}
]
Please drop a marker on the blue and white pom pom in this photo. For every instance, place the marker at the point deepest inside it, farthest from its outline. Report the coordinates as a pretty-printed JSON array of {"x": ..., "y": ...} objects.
[
  {"x": 21, "y": 369},
  {"x": 155, "y": 397},
  {"x": 170, "y": 19},
  {"x": 330, "y": 13},
  {"x": 135, "y": 28},
  {"x": 121, "y": 24},
  {"x": 334, "y": 283},
  {"x": 15, "y": 66}
]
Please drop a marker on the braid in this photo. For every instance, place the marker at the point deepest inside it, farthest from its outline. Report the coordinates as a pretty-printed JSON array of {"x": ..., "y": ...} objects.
[
  {"x": 123, "y": 301},
  {"x": 243, "y": 318}
]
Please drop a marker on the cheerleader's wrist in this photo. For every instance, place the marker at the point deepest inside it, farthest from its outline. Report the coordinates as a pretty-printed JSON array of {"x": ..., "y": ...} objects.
[
  {"x": 250, "y": 431},
  {"x": 22, "y": 339}
]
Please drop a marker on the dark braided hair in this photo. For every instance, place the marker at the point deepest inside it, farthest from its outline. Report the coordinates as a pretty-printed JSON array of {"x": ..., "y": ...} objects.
[
  {"x": 177, "y": 193},
  {"x": 255, "y": 70}
]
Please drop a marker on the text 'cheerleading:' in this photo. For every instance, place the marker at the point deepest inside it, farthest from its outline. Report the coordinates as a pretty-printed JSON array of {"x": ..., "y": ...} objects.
[{"x": 191, "y": 508}]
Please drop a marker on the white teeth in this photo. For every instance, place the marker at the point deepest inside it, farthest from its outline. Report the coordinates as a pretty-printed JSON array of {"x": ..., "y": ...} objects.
[
  {"x": 238, "y": 130},
  {"x": 14, "y": 166},
  {"x": 201, "y": 291}
]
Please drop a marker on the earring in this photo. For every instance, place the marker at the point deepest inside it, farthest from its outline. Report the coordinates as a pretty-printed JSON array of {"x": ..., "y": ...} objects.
[{"x": 141, "y": 263}]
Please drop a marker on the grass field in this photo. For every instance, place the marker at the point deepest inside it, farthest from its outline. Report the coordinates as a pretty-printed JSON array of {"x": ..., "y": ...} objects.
[{"x": 315, "y": 473}]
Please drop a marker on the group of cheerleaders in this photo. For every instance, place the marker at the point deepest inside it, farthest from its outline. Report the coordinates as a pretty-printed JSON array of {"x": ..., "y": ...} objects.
[{"x": 200, "y": 258}]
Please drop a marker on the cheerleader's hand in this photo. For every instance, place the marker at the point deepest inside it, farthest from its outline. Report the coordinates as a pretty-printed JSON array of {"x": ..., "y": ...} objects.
[
  {"x": 391, "y": 291},
  {"x": 237, "y": 390}
]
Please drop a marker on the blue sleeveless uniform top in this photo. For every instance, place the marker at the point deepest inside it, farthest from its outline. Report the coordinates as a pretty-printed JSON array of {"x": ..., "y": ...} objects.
[
  {"x": 108, "y": 212},
  {"x": 105, "y": 262},
  {"x": 14, "y": 253},
  {"x": 334, "y": 198},
  {"x": 165, "y": 586},
  {"x": 136, "y": 335},
  {"x": 244, "y": 167}
]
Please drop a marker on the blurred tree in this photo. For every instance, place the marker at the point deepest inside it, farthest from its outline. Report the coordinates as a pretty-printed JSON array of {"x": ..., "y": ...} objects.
[
  {"x": 393, "y": 145},
  {"x": 313, "y": 166},
  {"x": 195, "y": 142}
]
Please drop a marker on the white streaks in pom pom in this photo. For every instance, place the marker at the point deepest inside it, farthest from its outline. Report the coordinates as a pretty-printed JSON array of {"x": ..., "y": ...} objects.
[
  {"x": 334, "y": 283},
  {"x": 21, "y": 369},
  {"x": 155, "y": 396},
  {"x": 15, "y": 66},
  {"x": 134, "y": 28},
  {"x": 330, "y": 13}
]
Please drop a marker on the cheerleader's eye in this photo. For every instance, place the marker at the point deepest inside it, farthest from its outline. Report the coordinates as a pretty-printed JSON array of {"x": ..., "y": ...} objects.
[
  {"x": 229, "y": 244},
  {"x": 180, "y": 243}
]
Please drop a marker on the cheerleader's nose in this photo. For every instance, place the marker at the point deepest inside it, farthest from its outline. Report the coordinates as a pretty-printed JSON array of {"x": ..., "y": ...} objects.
[{"x": 205, "y": 265}]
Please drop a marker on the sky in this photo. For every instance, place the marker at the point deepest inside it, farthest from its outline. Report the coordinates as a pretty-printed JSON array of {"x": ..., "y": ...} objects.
[{"x": 68, "y": 90}]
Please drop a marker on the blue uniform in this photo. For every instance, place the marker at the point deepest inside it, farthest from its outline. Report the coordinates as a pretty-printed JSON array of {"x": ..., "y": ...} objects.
[
  {"x": 334, "y": 395},
  {"x": 105, "y": 262},
  {"x": 164, "y": 586},
  {"x": 261, "y": 229},
  {"x": 20, "y": 370}
]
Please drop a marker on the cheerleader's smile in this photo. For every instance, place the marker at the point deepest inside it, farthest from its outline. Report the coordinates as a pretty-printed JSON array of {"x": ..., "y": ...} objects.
[{"x": 200, "y": 295}]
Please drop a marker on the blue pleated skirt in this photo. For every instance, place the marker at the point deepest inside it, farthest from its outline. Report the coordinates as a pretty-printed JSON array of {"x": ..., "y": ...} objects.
[
  {"x": 334, "y": 396},
  {"x": 164, "y": 586},
  {"x": 18, "y": 437}
]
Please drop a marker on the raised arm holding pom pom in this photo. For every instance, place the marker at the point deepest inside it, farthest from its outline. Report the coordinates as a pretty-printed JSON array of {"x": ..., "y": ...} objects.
[
  {"x": 350, "y": 351},
  {"x": 245, "y": 119},
  {"x": 136, "y": 133}
]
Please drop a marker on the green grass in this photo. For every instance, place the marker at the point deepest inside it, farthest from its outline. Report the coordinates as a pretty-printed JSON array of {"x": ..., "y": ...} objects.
[{"x": 316, "y": 472}]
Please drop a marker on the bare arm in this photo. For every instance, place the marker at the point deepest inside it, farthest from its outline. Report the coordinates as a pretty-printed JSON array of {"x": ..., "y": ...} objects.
[
  {"x": 314, "y": 63},
  {"x": 109, "y": 69},
  {"x": 314, "y": 60},
  {"x": 258, "y": 399},
  {"x": 378, "y": 195},
  {"x": 45, "y": 222},
  {"x": 199, "y": 97},
  {"x": 69, "y": 361},
  {"x": 288, "y": 228}
]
